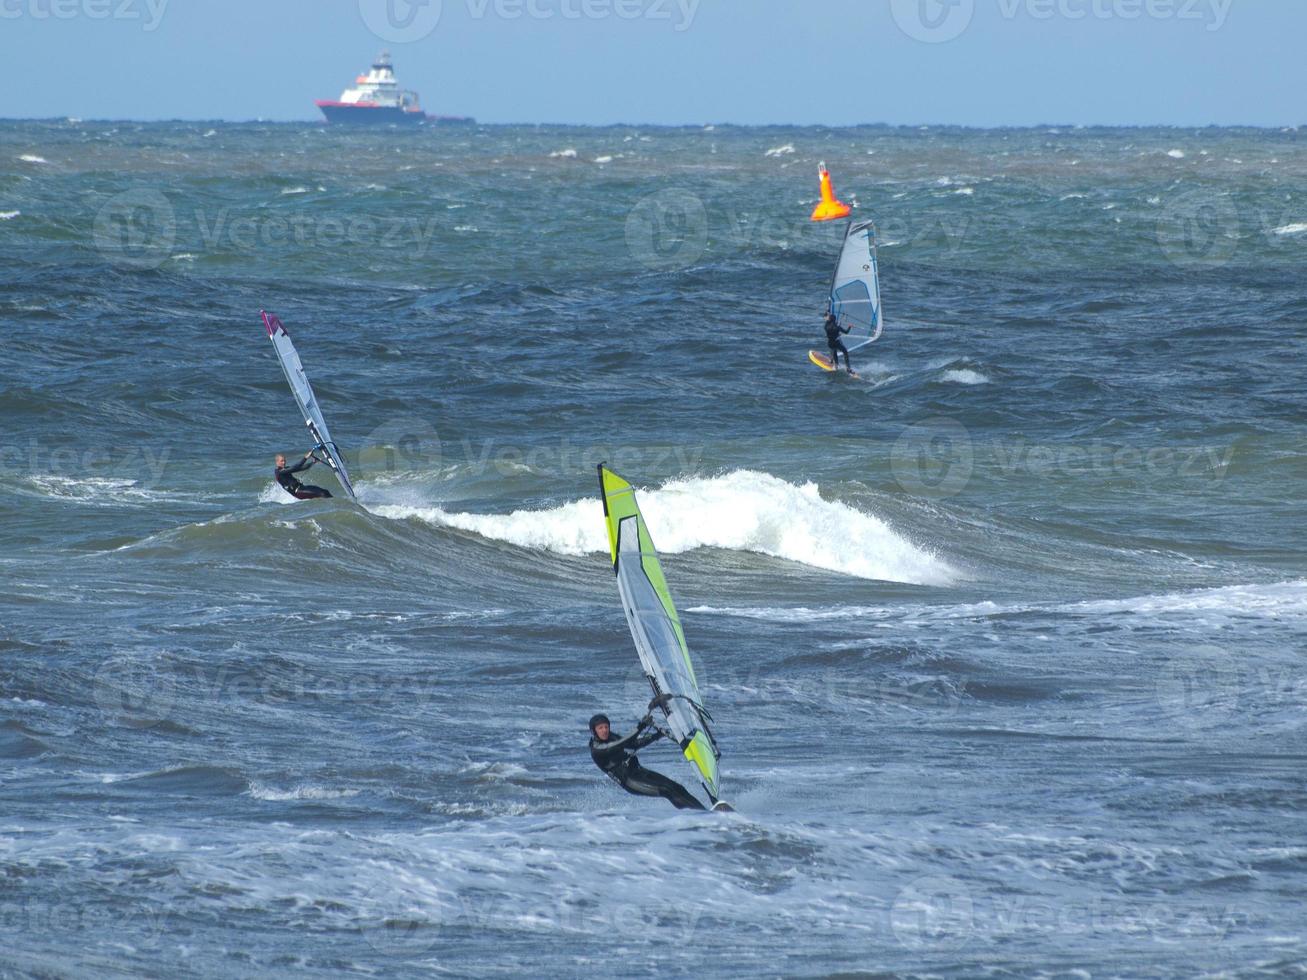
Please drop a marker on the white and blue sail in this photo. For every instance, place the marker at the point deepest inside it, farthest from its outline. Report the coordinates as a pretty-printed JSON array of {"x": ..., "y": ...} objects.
[
  {"x": 304, "y": 397},
  {"x": 855, "y": 286}
]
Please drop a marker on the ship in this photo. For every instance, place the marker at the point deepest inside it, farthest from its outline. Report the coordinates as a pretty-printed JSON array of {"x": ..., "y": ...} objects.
[{"x": 377, "y": 100}]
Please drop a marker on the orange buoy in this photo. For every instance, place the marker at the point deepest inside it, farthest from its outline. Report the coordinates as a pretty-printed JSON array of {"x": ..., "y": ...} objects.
[{"x": 829, "y": 208}]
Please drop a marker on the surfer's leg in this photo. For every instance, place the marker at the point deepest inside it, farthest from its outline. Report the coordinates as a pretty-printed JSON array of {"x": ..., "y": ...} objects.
[
  {"x": 310, "y": 492},
  {"x": 646, "y": 782}
]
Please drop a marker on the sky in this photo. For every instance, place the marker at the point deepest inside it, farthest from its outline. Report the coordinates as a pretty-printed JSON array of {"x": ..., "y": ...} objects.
[{"x": 671, "y": 62}]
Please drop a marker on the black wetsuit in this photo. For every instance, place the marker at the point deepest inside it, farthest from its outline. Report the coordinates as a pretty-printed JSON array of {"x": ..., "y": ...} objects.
[
  {"x": 300, "y": 491},
  {"x": 617, "y": 758},
  {"x": 833, "y": 331}
]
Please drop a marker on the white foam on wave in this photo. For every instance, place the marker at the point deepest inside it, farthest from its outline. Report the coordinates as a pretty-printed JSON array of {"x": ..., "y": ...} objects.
[
  {"x": 567, "y": 154},
  {"x": 965, "y": 376},
  {"x": 603, "y": 159},
  {"x": 1297, "y": 228},
  {"x": 781, "y": 151},
  {"x": 9, "y": 215},
  {"x": 1176, "y": 154},
  {"x": 740, "y": 511},
  {"x": 307, "y": 792},
  {"x": 274, "y": 494},
  {"x": 1281, "y": 600},
  {"x": 32, "y": 158},
  {"x": 100, "y": 491}
]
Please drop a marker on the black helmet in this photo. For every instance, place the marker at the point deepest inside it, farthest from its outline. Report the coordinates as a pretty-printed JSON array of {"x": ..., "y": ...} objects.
[{"x": 596, "y": 720}]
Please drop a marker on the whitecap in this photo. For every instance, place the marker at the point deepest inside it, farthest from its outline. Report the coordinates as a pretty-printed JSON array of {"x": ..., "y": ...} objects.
[{"x": 744, "y": 510}]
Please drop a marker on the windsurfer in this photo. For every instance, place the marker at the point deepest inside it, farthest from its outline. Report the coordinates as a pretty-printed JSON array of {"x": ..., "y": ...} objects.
[
  {"x": 616, "y": 756},
  {"x": 285, "y": 475},
  {"x": 833, "y": 331}
]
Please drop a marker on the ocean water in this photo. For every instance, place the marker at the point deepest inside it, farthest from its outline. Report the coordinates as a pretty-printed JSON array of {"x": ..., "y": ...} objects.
[{"x": 1004, "y": 639}]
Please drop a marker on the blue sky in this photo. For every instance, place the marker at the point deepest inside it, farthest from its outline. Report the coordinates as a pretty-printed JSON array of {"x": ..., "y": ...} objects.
[{"x": 972, "y": 62}]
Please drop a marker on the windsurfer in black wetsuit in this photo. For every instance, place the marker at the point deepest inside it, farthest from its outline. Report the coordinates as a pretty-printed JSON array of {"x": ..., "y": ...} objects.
[
  {"x": 833, "y": 331},
  {"x": 616, "y": 757},
  {"x": 285, "y": 475}
]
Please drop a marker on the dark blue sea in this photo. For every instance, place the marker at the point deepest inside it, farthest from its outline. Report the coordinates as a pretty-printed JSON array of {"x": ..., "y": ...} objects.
[{"x": 1004, "y": 639}]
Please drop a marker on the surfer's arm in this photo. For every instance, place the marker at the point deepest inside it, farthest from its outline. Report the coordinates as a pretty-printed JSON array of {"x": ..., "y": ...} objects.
[
  {"x": 649, "y": 739},
  {"x": 299, "y": 467}
]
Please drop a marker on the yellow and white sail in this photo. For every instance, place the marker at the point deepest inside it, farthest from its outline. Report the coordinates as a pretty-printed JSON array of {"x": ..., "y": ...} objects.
[{"x": 656, "y": 628}]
